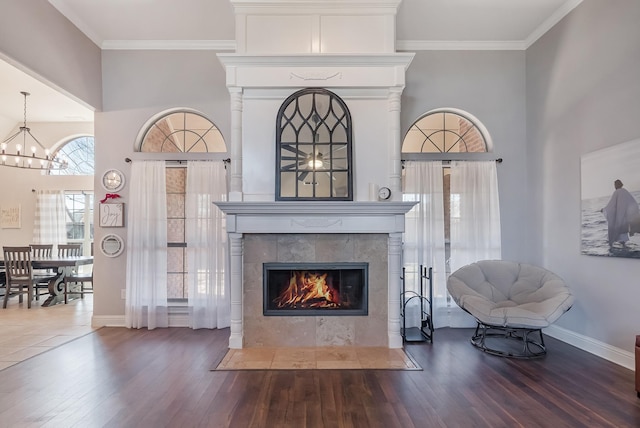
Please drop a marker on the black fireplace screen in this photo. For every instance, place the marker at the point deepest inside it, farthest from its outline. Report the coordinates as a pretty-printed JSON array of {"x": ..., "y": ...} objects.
[{"x": 315, "y": 288}]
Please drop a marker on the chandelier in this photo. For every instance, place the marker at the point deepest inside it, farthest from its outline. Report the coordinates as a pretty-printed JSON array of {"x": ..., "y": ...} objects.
[{"x": 24, "y": 155}]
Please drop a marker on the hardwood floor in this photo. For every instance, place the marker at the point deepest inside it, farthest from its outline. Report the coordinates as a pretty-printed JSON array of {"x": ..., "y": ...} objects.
[{"x": 116, "y": 377}]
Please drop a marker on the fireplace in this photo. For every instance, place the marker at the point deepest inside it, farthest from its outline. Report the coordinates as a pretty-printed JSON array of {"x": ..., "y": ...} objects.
[{"x": 315, "y": 289}]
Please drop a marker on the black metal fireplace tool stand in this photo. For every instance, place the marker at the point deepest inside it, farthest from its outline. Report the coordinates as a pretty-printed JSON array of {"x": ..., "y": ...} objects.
[{"x": 423, "y": 333}]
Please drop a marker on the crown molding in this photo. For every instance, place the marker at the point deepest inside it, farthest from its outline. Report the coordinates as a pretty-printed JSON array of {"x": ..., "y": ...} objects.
[
  {"x": 551, "y": 21},
  {"x": 180, "y": 45},
  {"x": 454, "y": 45}
]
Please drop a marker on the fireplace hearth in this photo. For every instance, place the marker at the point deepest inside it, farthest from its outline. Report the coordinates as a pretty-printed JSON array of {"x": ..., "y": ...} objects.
[{"x": 314, "y": 289}]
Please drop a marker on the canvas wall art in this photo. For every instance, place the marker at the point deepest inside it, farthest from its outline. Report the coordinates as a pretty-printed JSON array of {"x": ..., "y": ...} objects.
[{"x": 610, "y": 192}]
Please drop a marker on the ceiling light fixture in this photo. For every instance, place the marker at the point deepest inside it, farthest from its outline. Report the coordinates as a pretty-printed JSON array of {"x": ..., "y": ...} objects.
[
  {"x": 316, "y": 161},
  {"x": 24, "y": 156}
]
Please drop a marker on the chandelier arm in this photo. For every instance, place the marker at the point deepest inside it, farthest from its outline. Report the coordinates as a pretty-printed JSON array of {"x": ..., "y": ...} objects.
[
  {"x": 11, "y": 138},
  {"x": 35, "y": 139}
]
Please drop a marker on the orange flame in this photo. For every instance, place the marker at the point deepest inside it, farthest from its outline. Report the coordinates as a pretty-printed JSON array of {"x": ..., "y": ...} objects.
[{"x": 308, "y": 290}]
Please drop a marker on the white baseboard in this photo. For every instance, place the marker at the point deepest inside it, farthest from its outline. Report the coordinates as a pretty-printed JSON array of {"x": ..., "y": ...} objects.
[
  {"x": 107, "y": 321},
  {"x": 175, "y": 320},
  {"x": 611, "y": 353}
]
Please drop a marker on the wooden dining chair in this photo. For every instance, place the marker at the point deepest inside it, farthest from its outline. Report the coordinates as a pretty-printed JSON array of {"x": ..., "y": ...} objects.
[
  {"x": 41, "y": 250},
  {"x": 42, "y": 276},
  {"x": 17, "y": 262},
  {"x": 80, "y": 281},
  {"x": 69, "y": 250}
]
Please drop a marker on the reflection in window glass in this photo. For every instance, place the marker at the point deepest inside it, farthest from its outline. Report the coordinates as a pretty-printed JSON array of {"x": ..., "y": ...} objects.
[
  {"x": 79, "y": 219},
  {"x": 443, "y": 132},
  {"x": 79, "y": 154},
  {"x": 176, "y": 181},
  {"x": 183, "y": 132}
]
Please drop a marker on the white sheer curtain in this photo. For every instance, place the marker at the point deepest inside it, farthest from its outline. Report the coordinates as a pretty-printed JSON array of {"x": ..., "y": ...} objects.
[
  {"x": 475, "y": 213},
  {"x": 208, "y": 283},
  {"x": 146, "y": 296},
  {"x": 424, "y": 242},
  {"x": 50, "y": 225}
]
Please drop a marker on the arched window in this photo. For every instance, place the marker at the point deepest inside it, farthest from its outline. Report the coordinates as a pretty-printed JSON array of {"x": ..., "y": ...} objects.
[
  {"x": 173, "y": 133},
  {"x": 313, "y": 147},
  {"x": 182, "y": 131},
  {"x": 451, "y": 174},
  {"x": 79, "y": 153},
  {"x": 446, "y": 131}
]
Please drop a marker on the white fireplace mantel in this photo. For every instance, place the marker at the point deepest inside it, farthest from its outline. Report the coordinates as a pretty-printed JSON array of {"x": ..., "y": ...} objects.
[
  {"x": 315, "y": 217},
  {"x": 246, "y": 217}
]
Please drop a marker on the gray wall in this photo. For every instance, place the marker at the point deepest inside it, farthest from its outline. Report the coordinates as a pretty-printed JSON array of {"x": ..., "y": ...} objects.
[
  {"x": 491, "y": 86},
  {"x": 37, "y": 39},
  {"x": 583, "y": 94},
  {"x": 137, "y": 86}
]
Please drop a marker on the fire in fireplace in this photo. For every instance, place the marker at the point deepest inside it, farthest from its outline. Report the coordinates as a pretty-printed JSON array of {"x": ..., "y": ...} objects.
[{"x": 315, "y": 288}]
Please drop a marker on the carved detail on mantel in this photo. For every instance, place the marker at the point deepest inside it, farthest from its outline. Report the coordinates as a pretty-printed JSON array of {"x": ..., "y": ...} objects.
[
  {"x": 316, "y": 75},
  {"x": 317, "y": 223}
]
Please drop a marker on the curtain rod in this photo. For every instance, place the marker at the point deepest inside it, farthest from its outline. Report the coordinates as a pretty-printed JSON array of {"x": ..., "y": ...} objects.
[
  {"x": 65, "y": 190},
  {"x": 180, "y": 161},
  {"x": 450, "y": 159}
]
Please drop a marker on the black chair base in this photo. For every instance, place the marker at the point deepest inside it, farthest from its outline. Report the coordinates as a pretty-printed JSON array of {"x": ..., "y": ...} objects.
[{"x": 512, "y": 342}]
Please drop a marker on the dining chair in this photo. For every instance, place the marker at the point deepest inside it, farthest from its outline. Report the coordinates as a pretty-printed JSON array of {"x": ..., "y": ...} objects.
[
  {"x": 17, "y": 262},
  {"x": 42, "y": 276},
  {"x": 80, "y": 280},
  {"x": 69, "y": 250},
  {"x": 41, "y": 250}
]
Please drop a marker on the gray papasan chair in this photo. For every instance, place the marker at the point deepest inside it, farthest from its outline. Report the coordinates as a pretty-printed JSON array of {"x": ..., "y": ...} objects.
[{"x": 510, "y": 300}]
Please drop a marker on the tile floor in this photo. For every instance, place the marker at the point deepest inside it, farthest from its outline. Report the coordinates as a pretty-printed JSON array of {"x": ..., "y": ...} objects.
[
  {"x": 316, "y": 358},
  {"x": 29, "y": 332}
]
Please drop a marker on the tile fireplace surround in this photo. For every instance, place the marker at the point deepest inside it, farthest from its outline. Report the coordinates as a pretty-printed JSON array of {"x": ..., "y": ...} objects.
[{"x": 261, "y": 232}]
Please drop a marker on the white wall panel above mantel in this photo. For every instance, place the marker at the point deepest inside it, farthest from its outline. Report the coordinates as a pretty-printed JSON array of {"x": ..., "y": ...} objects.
[{"x": 295, "y": 26}]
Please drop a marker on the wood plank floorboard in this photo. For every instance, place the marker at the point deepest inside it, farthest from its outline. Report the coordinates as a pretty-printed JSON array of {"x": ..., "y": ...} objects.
[{"x": 117, "y": 377}]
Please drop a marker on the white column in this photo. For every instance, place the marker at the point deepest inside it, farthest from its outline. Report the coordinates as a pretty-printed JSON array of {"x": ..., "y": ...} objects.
[
  {"x": 395, "y": 270},
  {"x": 236, "y": 251},
  {"x": 235, "y": 184},
  {"x": 395, "y": 144}
]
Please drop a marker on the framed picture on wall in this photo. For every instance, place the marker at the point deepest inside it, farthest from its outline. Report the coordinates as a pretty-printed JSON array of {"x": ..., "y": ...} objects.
[
  {"x": 610, "y": 187},
  {"x": 10, "y": 217},
  {"x": 112, "y": 215}
]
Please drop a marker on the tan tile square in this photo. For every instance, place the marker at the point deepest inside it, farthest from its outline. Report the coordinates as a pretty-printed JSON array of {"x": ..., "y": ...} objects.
[
  {"x": 249, "y": 365},
  {"x": 254, "y": 354},
  {"x": 294, "y": 354},
  {"x": 336, "y": 354},
  {"x": 24, "y": 353},
  {"x": 349, "y": 364},
  {"x": 293, "y": 365},
  {"x": 57, "y": 340},
  {"x": 29, "y": 340}
]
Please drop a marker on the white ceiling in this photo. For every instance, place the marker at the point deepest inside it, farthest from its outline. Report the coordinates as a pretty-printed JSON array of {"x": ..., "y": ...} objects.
[{"x": 430, "y": 24}]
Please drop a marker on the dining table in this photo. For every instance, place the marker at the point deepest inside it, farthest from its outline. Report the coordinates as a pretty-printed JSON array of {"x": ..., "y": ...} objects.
[{"x": 61, "y": 266}]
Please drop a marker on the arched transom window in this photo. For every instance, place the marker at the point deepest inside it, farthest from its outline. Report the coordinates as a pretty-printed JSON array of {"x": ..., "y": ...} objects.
[
  {"x": 445, "y": 131},
  {"x": 79, "y": 154},
  {"x": 182, "y": 132},
  {"x": 313, "y": 155}
]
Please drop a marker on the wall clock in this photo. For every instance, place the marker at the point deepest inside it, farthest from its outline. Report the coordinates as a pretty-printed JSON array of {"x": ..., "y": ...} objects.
[
  {"x": 384, "y": 193},
  {"x": 113, "y": 180}
]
